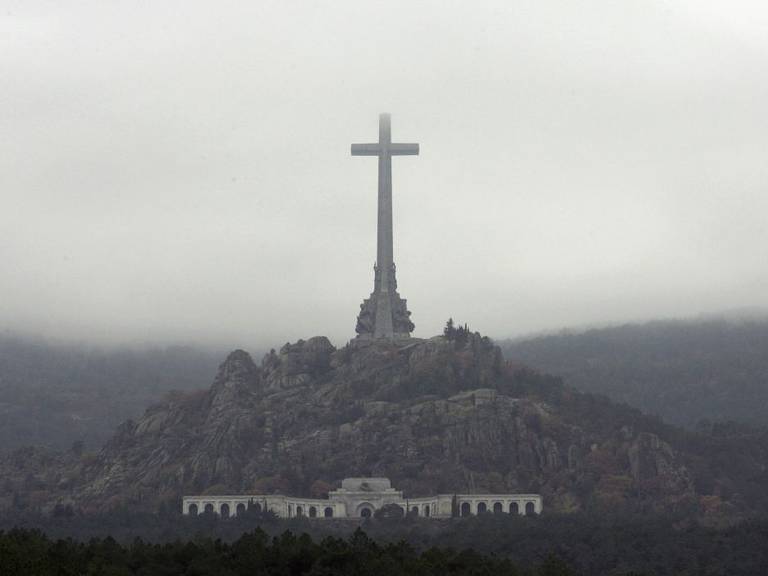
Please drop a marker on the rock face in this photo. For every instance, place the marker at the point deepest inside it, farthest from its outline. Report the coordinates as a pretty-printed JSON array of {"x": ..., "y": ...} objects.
[
  {"x": 434, "y": 416},
  {"x": 442, "y": 415}
]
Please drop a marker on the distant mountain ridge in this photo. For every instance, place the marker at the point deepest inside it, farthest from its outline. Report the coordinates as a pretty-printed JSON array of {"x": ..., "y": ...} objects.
[
  {"x": 684, "y": 371},
  {"x": 55, "y": 394}
]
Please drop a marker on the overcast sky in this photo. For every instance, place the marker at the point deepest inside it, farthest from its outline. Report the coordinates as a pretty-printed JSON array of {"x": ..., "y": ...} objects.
[{"x": 180, "y": 171}]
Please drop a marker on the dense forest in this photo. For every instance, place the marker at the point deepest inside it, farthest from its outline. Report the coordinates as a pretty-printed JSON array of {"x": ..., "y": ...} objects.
[
  {"x": 490, "y": 544},
  {"x": 288, "y": 555},
  {"x": 60, "y": 395},
  {"x": 686, "y": 372}
]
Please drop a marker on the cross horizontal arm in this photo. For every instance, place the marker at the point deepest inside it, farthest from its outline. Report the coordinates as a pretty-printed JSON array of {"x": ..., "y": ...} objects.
[
  {"x": 366, "y": 149},
  {"x": 404, "y": 149}
]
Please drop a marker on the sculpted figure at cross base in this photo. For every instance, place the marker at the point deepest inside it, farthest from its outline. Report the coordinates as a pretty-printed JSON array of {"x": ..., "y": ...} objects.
[
  {"x": 384, "y": 315},
  {"x": 401, "y": 317}
]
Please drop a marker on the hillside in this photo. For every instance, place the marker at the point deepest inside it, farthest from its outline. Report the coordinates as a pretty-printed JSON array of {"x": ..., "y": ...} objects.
[
  {"x": 436, "y": 416},
  {"x": 55, "y": 394},
  {"x": 682, "y": 371}
]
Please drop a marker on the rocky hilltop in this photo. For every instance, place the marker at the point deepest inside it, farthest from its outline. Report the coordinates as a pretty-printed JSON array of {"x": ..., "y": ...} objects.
[{"x": 439, "y": 415}]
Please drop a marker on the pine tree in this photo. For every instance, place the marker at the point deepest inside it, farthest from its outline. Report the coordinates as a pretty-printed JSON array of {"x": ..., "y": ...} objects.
[{"x": 449, "y": 331}]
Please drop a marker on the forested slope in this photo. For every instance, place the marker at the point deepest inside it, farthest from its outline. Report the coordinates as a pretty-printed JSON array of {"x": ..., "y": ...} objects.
[
  {"x": 682, "y": 371},
  {"x": 55, "y": 394}
]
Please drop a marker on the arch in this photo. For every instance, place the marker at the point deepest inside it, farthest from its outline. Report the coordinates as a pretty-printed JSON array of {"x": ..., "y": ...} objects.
[
  {"x": 482, "y": 508},
  {"x": 328, "y": 512},
  {"x": 240, "y": 509},
  {"x": 365, "y": 510},
  {"x": 415, "y": 510},
  {"x": 192, "y": 511},
  {"x": 224, "y": 510},
  {"x": 497, "y": 508},
  {"x": 465, "y": 509},
  {"x": 530, "y": 509},
  {"x": 208, "y": 509},
  {"x": 312, "y": 512},
  {"x": 299, "y": 511},
  {"x": 426, "y": 510},
  {"x": 514, "y": 508}
]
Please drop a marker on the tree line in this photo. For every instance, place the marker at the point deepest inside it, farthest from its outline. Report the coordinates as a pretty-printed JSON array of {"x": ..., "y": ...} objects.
[
  {"x": 30, "y": 552},
  {"x": 493, "y": 544}
]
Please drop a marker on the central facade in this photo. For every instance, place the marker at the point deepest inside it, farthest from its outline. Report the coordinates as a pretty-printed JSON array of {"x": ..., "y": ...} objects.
[
  {"x": 361, "y": 498},
  {"x": 384, "y": 315}
]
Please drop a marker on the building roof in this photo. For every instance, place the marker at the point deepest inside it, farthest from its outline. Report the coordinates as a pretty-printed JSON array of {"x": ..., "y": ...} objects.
[{"x": 366, "y": 484}]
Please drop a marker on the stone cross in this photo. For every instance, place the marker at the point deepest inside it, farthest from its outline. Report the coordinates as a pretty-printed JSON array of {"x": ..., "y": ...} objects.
[{"x": 384, "y": 315}]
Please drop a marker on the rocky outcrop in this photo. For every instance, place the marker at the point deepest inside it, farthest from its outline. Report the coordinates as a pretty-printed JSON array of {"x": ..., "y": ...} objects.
[
  {"x": 297, "y": 364},
  {"x": 434, "y": 415}
]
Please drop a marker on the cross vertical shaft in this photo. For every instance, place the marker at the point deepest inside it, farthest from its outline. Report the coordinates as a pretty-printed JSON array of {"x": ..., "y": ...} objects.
[
  {"x": 384, "y": 245},
  {"x": 384, "y": 314},
  {"x": 384, "y": 328}
]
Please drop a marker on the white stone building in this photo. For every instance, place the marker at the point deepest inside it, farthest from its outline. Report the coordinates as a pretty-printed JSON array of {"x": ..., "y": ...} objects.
[{"x": 360, "y": 498}]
